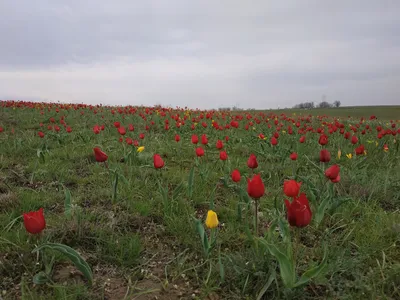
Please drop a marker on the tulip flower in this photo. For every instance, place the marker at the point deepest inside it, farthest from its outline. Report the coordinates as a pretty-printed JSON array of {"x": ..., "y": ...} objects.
[
  {"x": 212, "y": 219},
  {"x": 332, "y": 172},
  {"x": 293, "y": 156},
  {"x": 140, "y": 149},
  {"x": 158, "y": 161},
  {"x": 291, "y": 188},
  {"x": 252, "y": 162},
  {"x": 298, "y": 211},
  {"x": 236, "y": 175},
  {"x": 99, "y": 155},
  {"x": 324, "y": 156},
  {"x": 255, "y": 187},
  {"x": 199, "y": 151},
  {"x": 223, "y": 155},
  {"x": 195, "y": 139},
  {"x": 34, "y": 221}
]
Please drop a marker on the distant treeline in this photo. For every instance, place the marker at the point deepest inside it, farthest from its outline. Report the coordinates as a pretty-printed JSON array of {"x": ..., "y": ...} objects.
[{"x": 323, "y": 104}]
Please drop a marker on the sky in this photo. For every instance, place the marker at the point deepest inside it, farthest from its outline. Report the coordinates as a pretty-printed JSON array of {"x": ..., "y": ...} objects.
[{"x": 201, "y": 54}]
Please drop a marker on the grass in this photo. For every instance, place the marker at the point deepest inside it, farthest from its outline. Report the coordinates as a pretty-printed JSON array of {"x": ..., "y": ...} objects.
[{"x": 144, "y": 244}]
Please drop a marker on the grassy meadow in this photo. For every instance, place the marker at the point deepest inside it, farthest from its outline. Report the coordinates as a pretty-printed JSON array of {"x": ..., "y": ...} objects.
[{"x": 140, "y": 232}]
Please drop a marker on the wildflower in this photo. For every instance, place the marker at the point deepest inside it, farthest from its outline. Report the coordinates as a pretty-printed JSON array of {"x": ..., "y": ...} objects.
[
  {"x": 293, "y": 156},
  {"x": 140, "y": 149},
  {"x": 223, "y": 155},
  {"x": 349, "y": 155},
  {"x": 339, "y": 154},
  {"x": 235, "y": 175},
  {"x": 212, "y": 219},
  {"x": 332, "y": 172},
  {"x": 291, "y": 188},
  {"x": 99, "y": 155},
  {"x": 34, "y": 221},
  {"x": 324, "y": 155},
  {"x": 252, "y": 162},
  {"x": 199, "y": 151},
  {"x": 158, "y": 161},
  {"x": 298, "y": 212},
  {"x": 255, "y": 187}
]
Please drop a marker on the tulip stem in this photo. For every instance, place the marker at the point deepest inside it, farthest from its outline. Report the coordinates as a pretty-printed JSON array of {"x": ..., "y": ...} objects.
[{"x": 256, "y": 217}]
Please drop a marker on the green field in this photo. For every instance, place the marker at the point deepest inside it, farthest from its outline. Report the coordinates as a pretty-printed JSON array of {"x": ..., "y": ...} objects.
[{"x": 137, "y": 227}]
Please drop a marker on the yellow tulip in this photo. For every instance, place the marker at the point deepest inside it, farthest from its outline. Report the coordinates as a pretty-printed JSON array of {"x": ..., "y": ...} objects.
[
  {"x": 140, "y": 149},
  {"x": 212, "y": 219},
  {"x": 349, "y": 156},
  {"x": 376, "y": 144},
  {"x": 339, "y": 154}
]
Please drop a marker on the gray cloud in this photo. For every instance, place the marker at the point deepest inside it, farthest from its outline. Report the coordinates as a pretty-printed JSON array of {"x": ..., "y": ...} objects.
[{"x": 202, "y": 54}]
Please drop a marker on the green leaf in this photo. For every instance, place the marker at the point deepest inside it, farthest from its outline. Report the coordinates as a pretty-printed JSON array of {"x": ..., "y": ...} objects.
[
  {"x": 67, "y": 202},
  {"x": 321, "y": 210},
  {"x": 190, "y": 182},
  {"x": 313, "y": 272},
  {"x": 203, "y": 236},
  {"x": 40, "y": 278},
  {"x": 267, "y": 284},
  {"x": 115, "y": 186},
  {"x": 72, "y": 255},
  {"x": 284, "y": 230},
  {"x": 286, "y": 266},
  {"x": 221, "y": 266},
  {"x": 177, "y": 190}
]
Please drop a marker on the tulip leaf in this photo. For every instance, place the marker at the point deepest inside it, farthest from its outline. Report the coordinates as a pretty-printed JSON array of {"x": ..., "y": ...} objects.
[
  {"x": 177, "y": 190},
  {"x": 286, "y": 265},
  {"x": 67, "y": 202},
  {"x": 203, "y": 236},
  {"x": 40, "y": 278},
  {"x": 321, "y": 210},
  {"x": 70, "y": 253},
  {"x": 266, "y": 285},
  {"x": 312, "y": 272},
  {"x": 190, "y": 182}
]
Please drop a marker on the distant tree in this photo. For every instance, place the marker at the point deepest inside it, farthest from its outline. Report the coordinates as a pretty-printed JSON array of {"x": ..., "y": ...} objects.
[
  {"x": 324, "y": 104},
  {"x": 337, "y": 103}
]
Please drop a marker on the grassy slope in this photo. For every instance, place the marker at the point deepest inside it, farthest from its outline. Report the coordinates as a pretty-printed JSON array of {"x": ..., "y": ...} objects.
[{"x": 143, "y": 245}]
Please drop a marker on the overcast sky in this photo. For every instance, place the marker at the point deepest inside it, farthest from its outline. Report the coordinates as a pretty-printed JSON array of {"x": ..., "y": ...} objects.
[{"x": 206, "y": 54}]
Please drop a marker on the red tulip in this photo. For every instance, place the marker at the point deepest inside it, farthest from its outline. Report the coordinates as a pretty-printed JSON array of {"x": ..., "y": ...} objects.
[
  {"x": 34, "y": 221},
  {"x": 298, "y": 212},
  {"x": 117, "y": 124},
  {"x": 360, "y": 150},
  {"x": 1, "y": 129},
  {"x": 332, "y": 172},
  {"x": 158, "y": 161},
  {"x": 141, "y": 136},
  {"x": 122, "y": 130},
  {"x": 99, "y": 155},
  {"x": 195, "y": 139},
  {"x": 354, "y": 140},
  {"x": 56, "y": 128},
  {"x": 324, "y": 156},
  {"x": 129, "y": 141},
  {"x": 252, "y": 162},
  {"x": 96, "y": 129},
  {"x": 223, "y": 155},
  {"x": 219, "y": 144},
  {"x": 69, "y": 129},
  {"x": 199, "y": 151},
  {"x": 130, "y": 127},
  {"x": 293, "y": 156},
  {"x": 274, "y": 141},
  {"x": 302, "y": 139},
  {"x": 226, "y": 138},
  {"x": 235, "y": 175},
  {"x": 177, "y": 138},
  {"x": 323, "y": 139},
  {"x": 204, "y": 139},
  {"x": 41, "y": 134},
  {"x": 291, "y": 188},
  {"x": 255, "y": 187}
]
